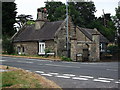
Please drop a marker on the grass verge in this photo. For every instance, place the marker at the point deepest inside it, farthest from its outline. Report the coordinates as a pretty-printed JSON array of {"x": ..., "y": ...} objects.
[{"x": 18, "y": 78}]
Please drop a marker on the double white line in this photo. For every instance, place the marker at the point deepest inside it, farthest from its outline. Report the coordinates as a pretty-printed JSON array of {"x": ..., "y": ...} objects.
[{"x": 103, "y": 80}]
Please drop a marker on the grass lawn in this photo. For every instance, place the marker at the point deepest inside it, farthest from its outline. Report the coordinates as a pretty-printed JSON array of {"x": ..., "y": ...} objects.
[{"x": 18, "y": 78}]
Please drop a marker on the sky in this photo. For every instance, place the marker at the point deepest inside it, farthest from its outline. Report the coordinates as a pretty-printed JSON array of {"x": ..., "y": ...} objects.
[{"x": 29, "y": 7}]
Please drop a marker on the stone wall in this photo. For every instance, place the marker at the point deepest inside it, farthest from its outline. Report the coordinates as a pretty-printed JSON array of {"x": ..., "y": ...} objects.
[
  {"x": 50, "y": 45},
  {"x": 60, "y": 38},
  {"x": 80, "y": 36},
  {"x": 30, "y": 48}
]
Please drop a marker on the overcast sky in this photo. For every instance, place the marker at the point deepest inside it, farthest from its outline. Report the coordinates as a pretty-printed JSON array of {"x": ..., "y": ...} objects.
[{"x": 29, "y": 7}]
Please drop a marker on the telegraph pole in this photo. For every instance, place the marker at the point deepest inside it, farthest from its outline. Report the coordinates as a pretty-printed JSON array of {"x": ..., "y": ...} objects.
[
  {"x": 104, "y": 18},
  {"x": 67, "y": 40}
]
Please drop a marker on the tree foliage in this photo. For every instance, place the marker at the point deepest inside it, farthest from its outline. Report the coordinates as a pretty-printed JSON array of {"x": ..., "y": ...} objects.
[
  {"x": 56, "y": 10},
  {"x": 82, "y": 14},
  {"x": 8, "y": 21},
  {"x": 106, "y": 26},
  {"x": 8, "y": 18},
  {"x": 23, "y": 19}
]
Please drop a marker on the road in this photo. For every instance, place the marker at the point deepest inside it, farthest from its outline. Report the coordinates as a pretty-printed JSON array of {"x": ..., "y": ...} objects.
[{"x": 71, "y": 74}]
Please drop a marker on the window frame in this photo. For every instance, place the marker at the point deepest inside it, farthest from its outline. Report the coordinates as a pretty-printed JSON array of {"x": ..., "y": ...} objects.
[{"x": 41, "y": 49}]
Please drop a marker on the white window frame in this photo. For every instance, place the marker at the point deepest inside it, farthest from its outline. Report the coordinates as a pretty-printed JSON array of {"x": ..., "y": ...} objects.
[
  {"x": 19, "y": 50},
  {"x": 41, "y": 48},
  {"x": 101, "y": 47}
]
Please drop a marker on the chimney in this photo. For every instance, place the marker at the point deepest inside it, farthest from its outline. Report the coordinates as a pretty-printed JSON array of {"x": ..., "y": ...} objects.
[{"x": 41, "y": 18}]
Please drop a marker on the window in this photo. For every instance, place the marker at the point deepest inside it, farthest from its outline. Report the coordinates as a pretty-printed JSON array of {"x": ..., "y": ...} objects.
[
  {"x": 23, "y": 50},
  {"x": 41, "y": 48},
  {"x": 102, "y": 47},
  {"x": 18, "y": 50}
]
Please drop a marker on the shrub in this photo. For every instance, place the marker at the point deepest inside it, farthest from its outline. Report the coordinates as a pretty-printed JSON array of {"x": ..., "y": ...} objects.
[
  {"x": 66, "y": 59},
  {"x": 113, "y": 49},
  {"x": 7, "y": 46}
]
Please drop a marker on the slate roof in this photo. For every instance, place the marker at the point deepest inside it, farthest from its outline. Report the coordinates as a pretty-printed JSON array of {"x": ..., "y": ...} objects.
[
  {"x": 47, "y": 32},
  {"x": 88, "y": 32}
]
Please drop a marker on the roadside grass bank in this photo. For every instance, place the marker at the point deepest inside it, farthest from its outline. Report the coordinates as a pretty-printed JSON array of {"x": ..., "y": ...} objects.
[
  {"x": 19, "y": 78},
  {"x": 34, "y": 57}
]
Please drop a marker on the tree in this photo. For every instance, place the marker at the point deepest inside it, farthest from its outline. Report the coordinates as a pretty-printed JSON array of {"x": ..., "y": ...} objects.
[
  {"x": 56, "y": 10},
  {"x": 8, "y": 21},
  {"x": 8, "y": 18},
  {"x": 23, "y": 19},
  {"x": 82, "y": 13}
]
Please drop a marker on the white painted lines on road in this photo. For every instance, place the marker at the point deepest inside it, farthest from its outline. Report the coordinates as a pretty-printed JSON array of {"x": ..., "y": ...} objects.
[
  {"x": 90, "y": 77},
  {"x": 47, "y": 75},
  {"x": 69, "y": 62},
  {"x": 112, "y": 69},
  {"x": 63, "y": 76},
  {"x": 117, "y": 82},
  {"x": 39, "y": 71},
  {"x": 81, "y": 77},
  {"x": 78, "y": 78},
  {"x": 98, "y": 80},
  {"x": 71, "y": 75},
  {"x": 60, "y": 65},
  {"x": 2, "y": 60},
  {"x": 24, "y": 62},
  {"x": 54, "y": 73},
  {"x": 106, "y": 79},
  {"x": 28, "y": 62}
]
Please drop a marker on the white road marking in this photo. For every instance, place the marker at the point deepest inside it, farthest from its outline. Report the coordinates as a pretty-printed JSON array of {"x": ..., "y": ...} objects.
[
  {"x": 28, "y": 62},
  {"x": 71, "y": 75},
  {"x": 38, "y": 60},
  {"x": 54, "y": 73},
  {"x": 86, "y": 76},
  {"x": 69, "y": 62},
  {"x": 98, "y": 80},
  {"x": 47, "y": 75},
  {"x": 111, "y": 70},
  {"x": 21, "y": 61},
  {"x": 106, "y": 79},
  {"x": 63, "y": 76},
  {"x": 117, "y": 82},
  {"x": 60, "y": 65},
  {"x": 2, "y": 60},
  {"x": 89, "y": 63},
  {"x": 39, "y": 71},
  {"x": 24, "y": 62},
  {"x": 78, "y": 78}
]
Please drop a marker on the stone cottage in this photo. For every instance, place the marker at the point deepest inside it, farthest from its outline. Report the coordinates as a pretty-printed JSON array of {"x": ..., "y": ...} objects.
[{"x": 46, "y": 37}]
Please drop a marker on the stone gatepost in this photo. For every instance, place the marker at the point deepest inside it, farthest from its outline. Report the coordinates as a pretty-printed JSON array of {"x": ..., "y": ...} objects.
[
  {"x": 73, "y": 49},
  {"x": 95, "y": 49}
]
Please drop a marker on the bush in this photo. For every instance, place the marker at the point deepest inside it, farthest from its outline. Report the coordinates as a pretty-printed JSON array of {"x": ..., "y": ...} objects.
[
  {"x": 66, "y": 59},
  {"x": 7, "y": 46},
  {"x": 113, "y": 49}
]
